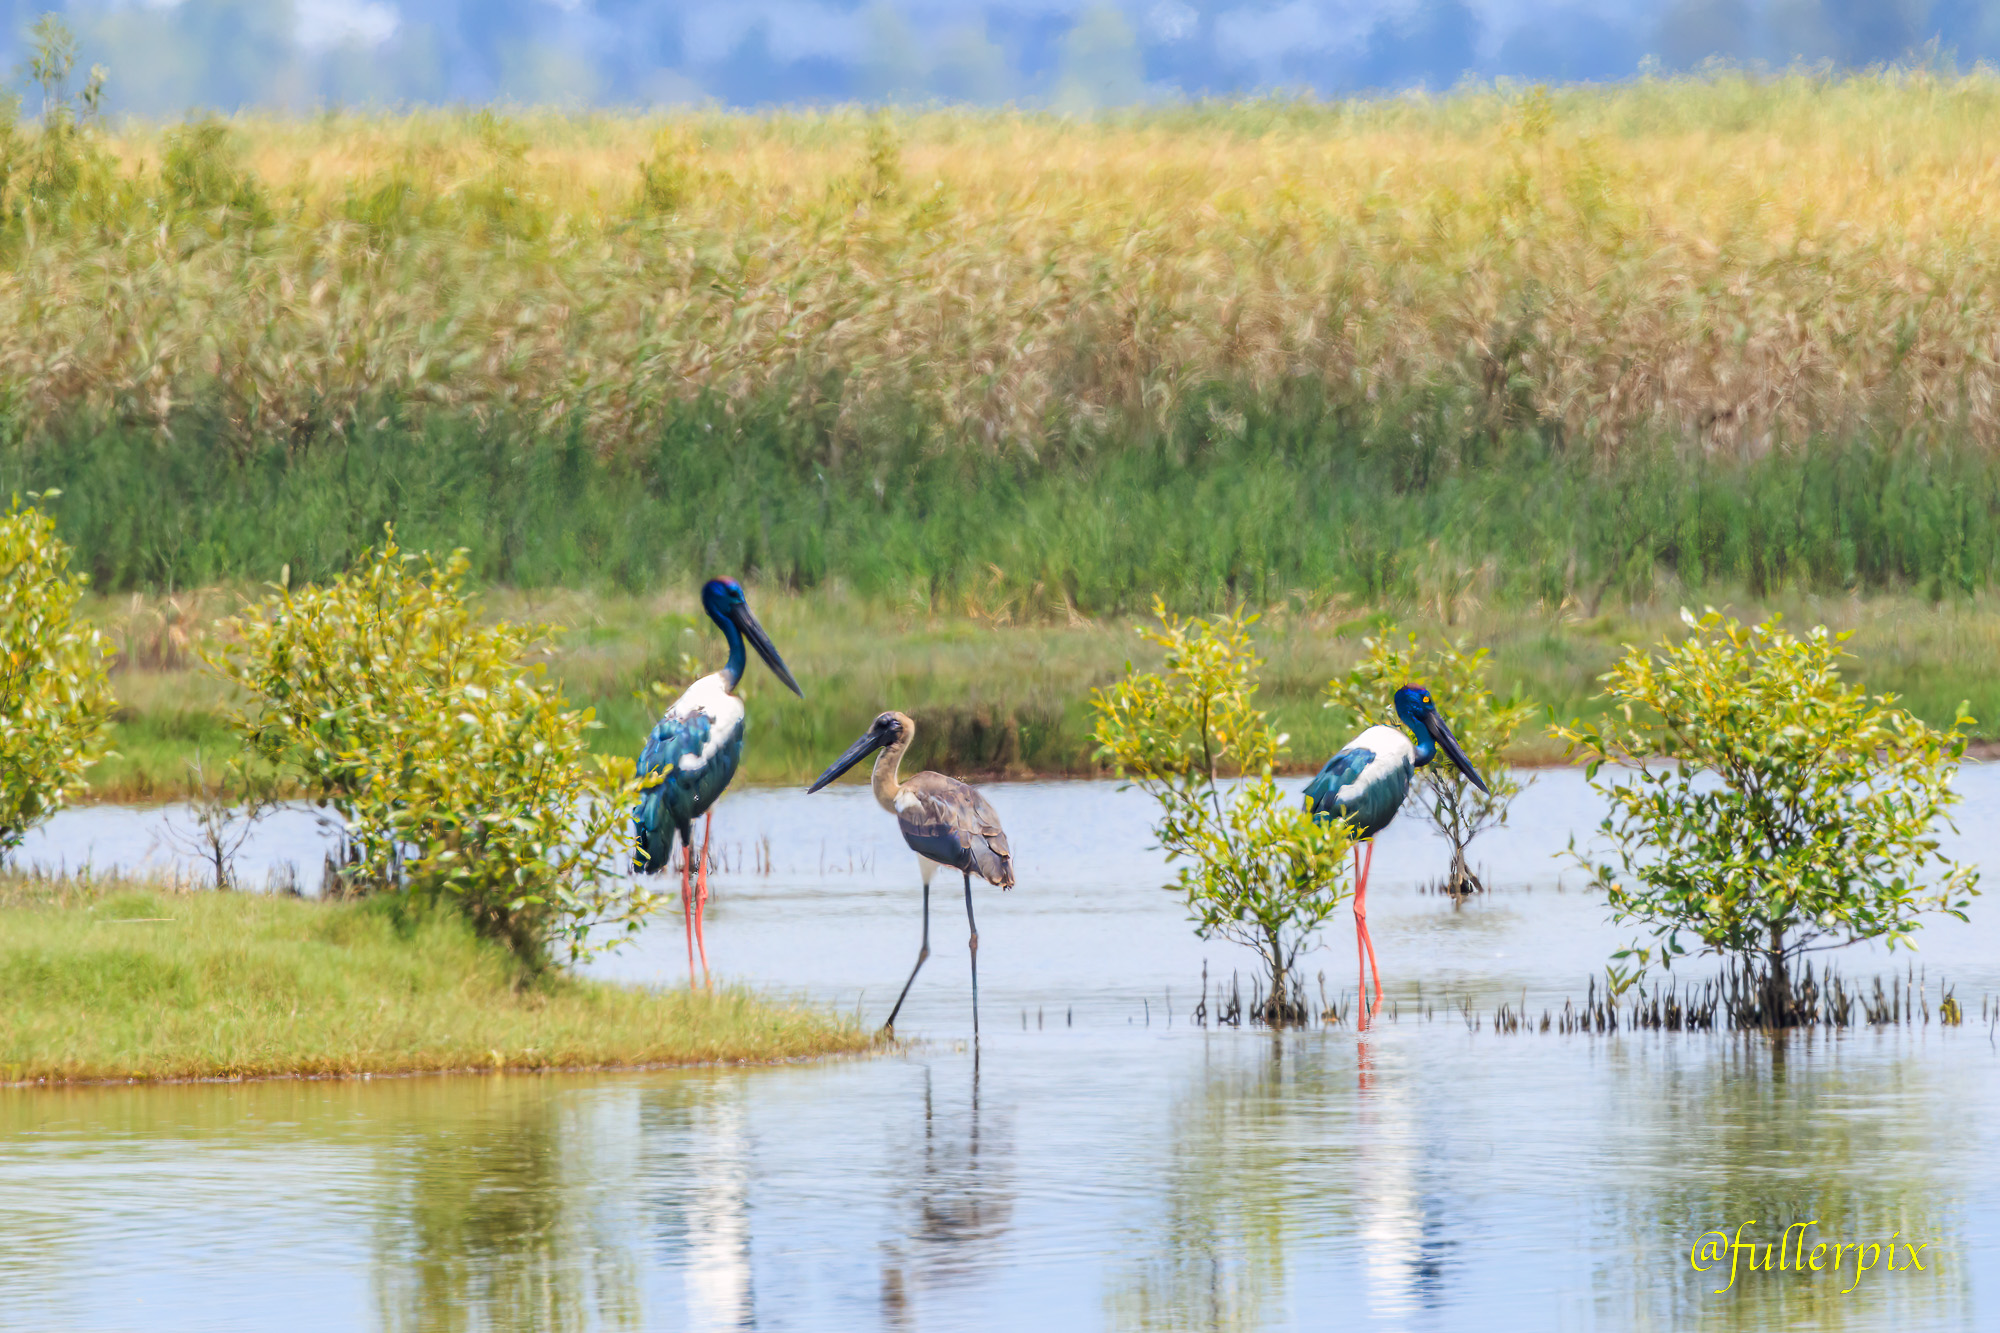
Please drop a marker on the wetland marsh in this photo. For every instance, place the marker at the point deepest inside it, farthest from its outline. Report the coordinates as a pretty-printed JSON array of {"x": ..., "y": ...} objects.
[{"x": 1102, "y": 1163}]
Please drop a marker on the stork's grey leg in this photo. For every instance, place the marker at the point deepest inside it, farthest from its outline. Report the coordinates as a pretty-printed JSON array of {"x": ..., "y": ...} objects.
[
  {"x": 975, "y": 954},
  {"x": 922, "y": 954}
]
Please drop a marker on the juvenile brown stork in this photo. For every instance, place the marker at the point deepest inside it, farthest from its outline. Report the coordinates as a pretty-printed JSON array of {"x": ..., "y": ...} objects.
[{"x": 945, "y": 822}]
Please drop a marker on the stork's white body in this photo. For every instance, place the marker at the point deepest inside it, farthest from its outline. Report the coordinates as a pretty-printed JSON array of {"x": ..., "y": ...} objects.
[
  {"x": 710, "y": 695},
  {"x": 1394, "y": 757}
]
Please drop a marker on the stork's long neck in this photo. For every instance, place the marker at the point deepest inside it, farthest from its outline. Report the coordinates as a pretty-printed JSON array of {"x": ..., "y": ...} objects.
[
  {"x": 732, "y": 670},
  {"x": 1426, "y": 746},
  {"x": 886, "y": 779}
]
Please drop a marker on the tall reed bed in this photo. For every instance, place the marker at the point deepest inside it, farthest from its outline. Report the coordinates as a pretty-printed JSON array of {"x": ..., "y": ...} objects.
[{"x": 1728, "y": 262}]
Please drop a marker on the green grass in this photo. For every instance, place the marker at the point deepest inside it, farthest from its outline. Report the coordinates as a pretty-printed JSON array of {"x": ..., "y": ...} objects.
[
  {"x": 132, "y": 982},
  {"x": 993, "y": 695},
  {"x": 1246, "y": 498}
]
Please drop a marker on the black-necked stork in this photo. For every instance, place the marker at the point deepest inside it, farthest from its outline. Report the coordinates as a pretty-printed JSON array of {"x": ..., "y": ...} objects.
[
  {"x": 692, "y": 754},
  {"x": 1365, "y": 784},
  {"x": 945, "y": 822}
]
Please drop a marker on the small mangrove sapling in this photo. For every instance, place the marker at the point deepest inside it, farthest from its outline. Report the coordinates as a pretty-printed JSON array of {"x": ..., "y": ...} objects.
[
  {"x": 1763, "y": 809},
  {"x": 1254, "y": 867},
  {"x": 224, "y": 807}
]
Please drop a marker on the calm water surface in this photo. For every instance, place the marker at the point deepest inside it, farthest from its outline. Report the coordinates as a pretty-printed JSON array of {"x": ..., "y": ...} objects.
[{"x": 1098, "y": 1163}]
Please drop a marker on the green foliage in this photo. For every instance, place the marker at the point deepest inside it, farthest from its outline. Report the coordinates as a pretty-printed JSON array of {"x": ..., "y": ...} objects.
[
  {"x": 202, "y": 171},
  {"x": 65, "y": 161},
  {"x": 882, "y": 179},
  {"x": 499, "y": 203},
  {"x": 55, "y": 700},
  {"x": 1256, "y": 869},
  {"x": 1485, "y": 727},
  {"x": 1302, "y": 498},
  {"x": 668, "y": 178},
  {"x": 460, "y": 774},
  {"x": 1763, "y": 807}
]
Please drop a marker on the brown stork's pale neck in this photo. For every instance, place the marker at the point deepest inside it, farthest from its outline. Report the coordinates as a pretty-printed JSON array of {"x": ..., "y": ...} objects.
[{"x": 887, "y": 776}]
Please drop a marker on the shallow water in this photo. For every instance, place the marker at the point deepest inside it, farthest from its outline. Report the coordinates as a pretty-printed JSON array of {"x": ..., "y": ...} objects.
[{"x": 1101, "y": 1163}]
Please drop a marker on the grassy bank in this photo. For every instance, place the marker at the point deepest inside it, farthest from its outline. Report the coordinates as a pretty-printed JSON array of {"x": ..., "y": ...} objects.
[
  {"x": 125, "y": 982},
  {"x": 994, "y": 694}
]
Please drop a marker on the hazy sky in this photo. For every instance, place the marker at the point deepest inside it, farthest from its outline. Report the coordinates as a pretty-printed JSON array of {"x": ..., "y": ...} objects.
[{"x": 168, "y": 55}]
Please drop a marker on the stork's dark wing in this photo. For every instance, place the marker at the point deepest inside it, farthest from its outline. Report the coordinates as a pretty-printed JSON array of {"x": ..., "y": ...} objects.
[
  {"x": 689, "y": 758},
  {"x": 1372, "y": 802},
  {"x": 1322, "y": 793},
  {"x": 673, "y": 738},
  {"x": 952, "y": 824}
]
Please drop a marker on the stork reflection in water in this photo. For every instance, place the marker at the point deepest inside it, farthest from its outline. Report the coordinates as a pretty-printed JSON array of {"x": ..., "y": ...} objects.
[
  {"x": 692, "y": 754},
  {"x": 1364, "y": 785},
  {"x": 945, "y": 822}
]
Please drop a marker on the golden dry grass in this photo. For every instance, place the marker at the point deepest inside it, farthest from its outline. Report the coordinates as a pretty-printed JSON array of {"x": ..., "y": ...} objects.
[{"x": 1726, "y": 259}]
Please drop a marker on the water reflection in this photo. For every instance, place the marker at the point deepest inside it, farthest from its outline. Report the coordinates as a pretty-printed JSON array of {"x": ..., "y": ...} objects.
[
  {"x": 1243, "y": 1140},
  {"x": 699, "y": 1156},
  {"x": 487, "y": 1216},
  {"x": 956, "y": 1203},
  {"x": 1798, "y": 1129}
]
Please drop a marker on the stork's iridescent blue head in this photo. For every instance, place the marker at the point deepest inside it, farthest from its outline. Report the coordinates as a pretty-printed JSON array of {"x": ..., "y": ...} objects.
[
  {"x": 1420, "y": 715},
  {"x": 720, "y": 597},
  {"x": 724, "y": 601}
]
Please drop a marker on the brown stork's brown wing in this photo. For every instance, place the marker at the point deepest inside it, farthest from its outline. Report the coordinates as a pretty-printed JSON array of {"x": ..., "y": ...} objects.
[{"x": 947, "y": 815}]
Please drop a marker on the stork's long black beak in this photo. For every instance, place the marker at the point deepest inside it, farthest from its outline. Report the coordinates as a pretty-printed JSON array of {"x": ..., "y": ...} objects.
[
  {"x": 754, "y": 632},
  {"x": 1441, "y": 733},
  {"x": 871, "y": 741}
]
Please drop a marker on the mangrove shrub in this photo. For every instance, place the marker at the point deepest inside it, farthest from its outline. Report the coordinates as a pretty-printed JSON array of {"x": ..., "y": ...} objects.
[
  {"x": 461, "y": 773},
  {"x": 1762, "y": 808},
  {"x": 1484, "y": 724},
  {"x": 1255, "y": 868},
  {"x": 55, "y": 700}
]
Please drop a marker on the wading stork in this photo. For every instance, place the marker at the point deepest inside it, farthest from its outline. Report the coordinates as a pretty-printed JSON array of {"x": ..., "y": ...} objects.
[
  {"x": 692, "y": 753},
  {"x": 945, "y": 822},
  {"x": 1364, "y": 785}
]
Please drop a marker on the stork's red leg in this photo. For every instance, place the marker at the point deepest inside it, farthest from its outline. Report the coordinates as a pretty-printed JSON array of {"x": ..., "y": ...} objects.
[
  {"x": 1364, "y": 944},
  {"x": 1375, "y": 971},
  {"x": 1361, "y": 941},
  {"x": 701, "y": 896},
  {"x": 687, "y": 904}
]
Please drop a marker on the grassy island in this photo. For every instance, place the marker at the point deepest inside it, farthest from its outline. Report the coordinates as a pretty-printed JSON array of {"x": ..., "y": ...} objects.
[{"x": 149, "y": 982}]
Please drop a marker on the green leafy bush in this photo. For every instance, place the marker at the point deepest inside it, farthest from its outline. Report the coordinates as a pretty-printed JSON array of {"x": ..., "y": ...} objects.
[
  {"x": 64, "y": 164},
  {"x": 202, "y": 171},
  {"x": 1485, "y": 727},
  {"x": 668, "y": 179},
  {"x": 55, "y": 700},
  {"x": 461, "y": 775},
  {"x": 1763, "y": 807},
  {"x": 1256, "y": 869}
]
